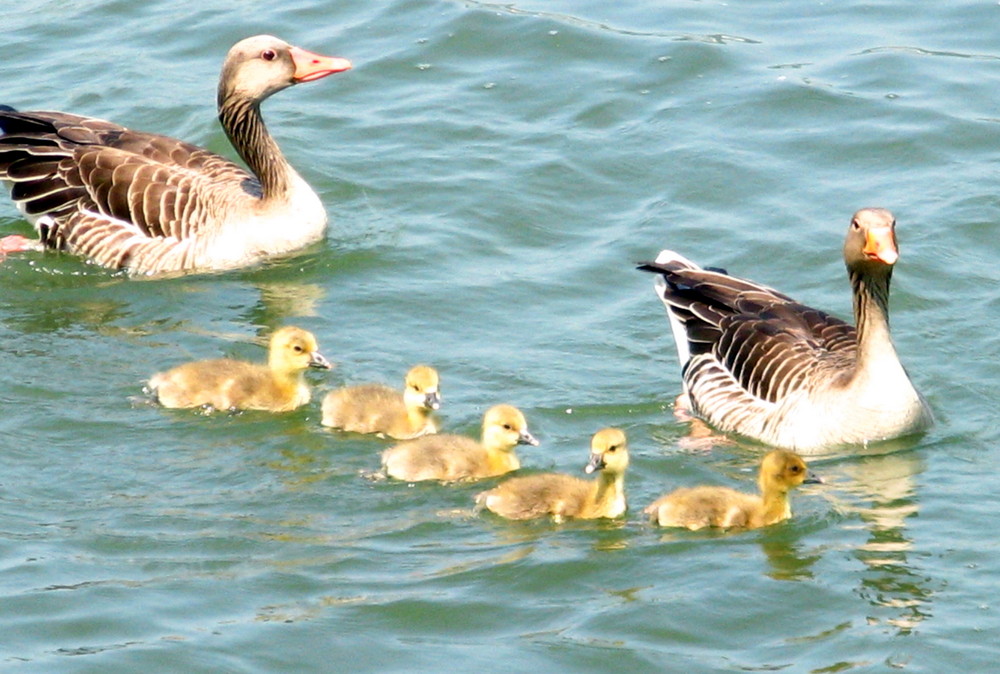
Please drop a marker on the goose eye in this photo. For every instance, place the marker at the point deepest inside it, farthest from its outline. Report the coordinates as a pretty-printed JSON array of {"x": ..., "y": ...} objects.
[
  {"x": 507, "y": 427},
  {"x": 269, "y": 55},
  {"x": 796, "y": 469},
  {"x": 298, "y": 348}
]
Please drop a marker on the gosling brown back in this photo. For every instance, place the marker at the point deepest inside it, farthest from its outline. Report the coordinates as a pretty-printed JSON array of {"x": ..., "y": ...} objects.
[
  {"x": 376, "y": 408},
  {"x": 454, "y": 457},
  {"x": 564, "y": 496},
  {"x": 706, "y": 506},
  {"x": 228, "y": 384}
]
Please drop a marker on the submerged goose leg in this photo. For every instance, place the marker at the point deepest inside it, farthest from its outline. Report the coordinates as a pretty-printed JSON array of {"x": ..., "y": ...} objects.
[{"x": 15, "y": 243}]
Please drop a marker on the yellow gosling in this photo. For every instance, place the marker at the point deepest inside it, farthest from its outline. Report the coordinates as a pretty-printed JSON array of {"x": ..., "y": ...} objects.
[
  {"x": 565, "y": 496},
  {"x": 699, "y": 507},
  {"x": 376, "y": 408},
  {"x": 455, "y": 457},
  {"x": 227, "y": 384}
]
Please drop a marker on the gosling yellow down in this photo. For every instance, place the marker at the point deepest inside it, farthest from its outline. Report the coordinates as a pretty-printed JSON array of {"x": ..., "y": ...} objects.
[
  {"x": 700, "y": 507},
  {"x": 564, "y": 496},
  {"x": 455, "y": 457},
  {"x": 227, "y": 384},
  {"x": 376, "y": 408}
]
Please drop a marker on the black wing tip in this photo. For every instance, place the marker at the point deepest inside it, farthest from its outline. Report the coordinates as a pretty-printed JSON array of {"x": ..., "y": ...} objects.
[
  {"x": 654, "y": 267},
  {"x": 7, "y": 108}
]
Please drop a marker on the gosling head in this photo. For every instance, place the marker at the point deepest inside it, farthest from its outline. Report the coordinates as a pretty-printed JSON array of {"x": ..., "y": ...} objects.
[
  {"x": 294, "y": 349},
  {"x": 421, "y": 388},
  {"x": 782, "y": 470},
  {"x": 871, "y": 241},
  {"x": 504, "y": 427},
  {"x": 608, "y": 452}
]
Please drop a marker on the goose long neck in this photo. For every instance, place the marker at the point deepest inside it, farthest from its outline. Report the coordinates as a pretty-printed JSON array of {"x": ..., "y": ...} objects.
[
  {"x": 243, "y": 124},
  {"x": 871, "y": 315}
]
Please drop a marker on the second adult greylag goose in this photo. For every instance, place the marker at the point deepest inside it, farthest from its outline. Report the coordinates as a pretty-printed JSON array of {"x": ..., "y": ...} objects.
[
  {"x": 756, "y": 362},
  {"x": 708, "y": 506},
  {"x": 455, "y": 457},
  {"x": 565, "y": 496},
  {"x": 228, "y": 384},
  {"x": 376, "y": 408},
  {"x": 149, "y": 203}
]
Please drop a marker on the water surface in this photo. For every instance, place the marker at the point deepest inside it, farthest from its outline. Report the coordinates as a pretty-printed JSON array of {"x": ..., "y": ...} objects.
[{"x": 492, "y": 172}]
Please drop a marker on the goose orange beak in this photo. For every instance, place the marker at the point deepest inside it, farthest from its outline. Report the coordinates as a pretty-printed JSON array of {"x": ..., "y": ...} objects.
[
  {"x": 310, "y": 66},
  {"x": 880, "y": 244}
]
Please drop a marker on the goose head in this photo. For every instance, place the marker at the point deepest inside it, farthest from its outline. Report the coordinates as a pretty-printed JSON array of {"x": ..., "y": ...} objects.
[
  {"x": 871, "y": 241},
  {"x": 608, "y": 452},
  {"x": 259, "y": 66},
  {"x": 294, "y": 350},
  {"x": 782, "y": 470},
  {"x": 421, "y": 388},
  {"x": 504, "y": 427}
]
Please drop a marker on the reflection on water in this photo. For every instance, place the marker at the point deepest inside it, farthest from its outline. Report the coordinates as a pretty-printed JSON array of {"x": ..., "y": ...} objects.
[
  {"x": 281, "y": 300},
  {"x": 787, "y": 559},
  {"x": 882, "y": 491}
]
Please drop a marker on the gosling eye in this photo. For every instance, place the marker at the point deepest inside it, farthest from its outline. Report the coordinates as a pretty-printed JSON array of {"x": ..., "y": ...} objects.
[
  {"x": 298, "y": 348},
  {"x": 612, "y": 448},
  {"x": 269, "y": 54},
  {"x": 508, "y": 427},
  {"x": 795, "y": 469}
]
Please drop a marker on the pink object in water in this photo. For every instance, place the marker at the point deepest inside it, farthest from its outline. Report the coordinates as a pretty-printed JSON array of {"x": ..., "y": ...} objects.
[{"x": 15, "y": 243}]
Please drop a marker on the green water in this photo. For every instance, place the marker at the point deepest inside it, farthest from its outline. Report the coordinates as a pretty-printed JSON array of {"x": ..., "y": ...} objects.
[{"x": 492, "y": 173}]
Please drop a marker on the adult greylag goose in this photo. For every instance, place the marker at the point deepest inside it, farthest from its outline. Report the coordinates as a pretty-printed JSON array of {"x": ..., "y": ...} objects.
[
  {"x": 228, "y": 384},
  {"x": 455, "y": 457},
  {"x": 149, "y": 203},
  {"x": 565, "y": 496},
  {"x": 376, "y": 408},
  {"x": 755, "y": 362},
  {"x": 707, "y": 506}
]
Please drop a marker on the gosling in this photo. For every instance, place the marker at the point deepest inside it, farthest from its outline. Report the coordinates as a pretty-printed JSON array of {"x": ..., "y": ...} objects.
[
  {"x": 565, "y": 496},
  {"x": 376, "y": 408},
  {"x": 454, "y": 457},
  {"x": 227, "y": 384},
  {"x": 699, "y": 507}
]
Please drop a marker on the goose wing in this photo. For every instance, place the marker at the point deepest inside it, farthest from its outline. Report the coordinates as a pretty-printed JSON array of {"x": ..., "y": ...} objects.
[
  {"x": 746, "y": 342},
  {"x": 61, "y": 164}
]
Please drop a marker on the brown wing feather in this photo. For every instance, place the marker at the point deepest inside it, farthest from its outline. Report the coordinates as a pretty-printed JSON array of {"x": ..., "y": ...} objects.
[
  {"x": 766, "y": 341},
  {"x": 61, "y": 163}
]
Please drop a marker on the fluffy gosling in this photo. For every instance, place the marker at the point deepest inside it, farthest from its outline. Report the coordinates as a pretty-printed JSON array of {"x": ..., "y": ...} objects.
[
  {"x": 565, "y": 496},
  {"x": 227, "y": 384},
  {"x": 455, "y": 457},
  {"x": 376, "y": 408},
  {"x": 704, "y": 506}
]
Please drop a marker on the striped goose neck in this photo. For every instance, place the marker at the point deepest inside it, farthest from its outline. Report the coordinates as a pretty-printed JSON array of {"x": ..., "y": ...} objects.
[
  {"x": 243, "y": 124},
  {"x": 871, "y": 313}
]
